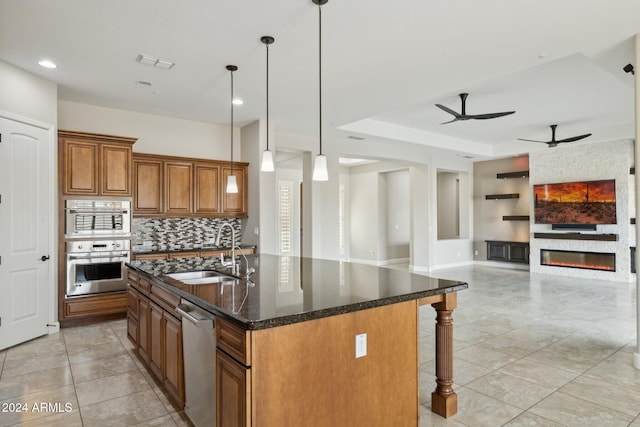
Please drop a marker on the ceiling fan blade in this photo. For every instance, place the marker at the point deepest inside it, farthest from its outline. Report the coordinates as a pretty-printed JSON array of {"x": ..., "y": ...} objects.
[
  {"x": 533, "y": 140},
  {"x": 574, "y": 138},
  {"x": 448, "y": 110},
  {"x": 490, "y": 115},
  {"x": 450, "y": 121}
]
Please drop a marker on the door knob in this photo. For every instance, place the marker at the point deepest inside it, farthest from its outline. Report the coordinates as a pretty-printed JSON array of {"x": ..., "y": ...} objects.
[{"x": 43, "y": 258}]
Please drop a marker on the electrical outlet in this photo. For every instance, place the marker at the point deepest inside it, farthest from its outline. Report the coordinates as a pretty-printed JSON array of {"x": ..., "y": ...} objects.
[
  {"x": 475, "y": 253},
  {"x": 361, "y": 345}
]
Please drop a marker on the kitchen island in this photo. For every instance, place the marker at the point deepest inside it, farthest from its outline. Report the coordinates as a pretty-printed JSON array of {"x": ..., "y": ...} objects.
[{"x": 318, "y": 342}]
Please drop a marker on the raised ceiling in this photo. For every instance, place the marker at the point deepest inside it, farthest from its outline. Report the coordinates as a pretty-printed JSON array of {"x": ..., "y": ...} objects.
[{"x": 385, "y": 64}]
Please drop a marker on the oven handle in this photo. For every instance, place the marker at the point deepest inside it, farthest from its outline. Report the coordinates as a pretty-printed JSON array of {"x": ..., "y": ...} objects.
[
  {"x": 99, "y": 255},
  {"x": 91, "y": 211}
]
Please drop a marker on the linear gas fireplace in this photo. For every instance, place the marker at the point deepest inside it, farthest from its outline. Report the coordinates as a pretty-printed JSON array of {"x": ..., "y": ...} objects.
[{"x": 574, "y": 259}]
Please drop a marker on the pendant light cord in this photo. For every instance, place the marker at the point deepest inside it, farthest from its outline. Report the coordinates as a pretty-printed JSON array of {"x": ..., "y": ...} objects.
[
  {"x": 320, "y": 72},
  {"x": 231, "y": 123},
  {"x": 267, "y": 96}
]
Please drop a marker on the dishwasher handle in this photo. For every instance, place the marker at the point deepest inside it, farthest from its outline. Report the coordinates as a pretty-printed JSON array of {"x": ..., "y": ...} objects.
[{"x": 188, "y": 313}]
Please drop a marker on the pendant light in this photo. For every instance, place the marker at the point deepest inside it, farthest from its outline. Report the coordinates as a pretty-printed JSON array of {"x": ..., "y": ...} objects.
[
  {"x": 267, "y": 155},
  {"x": 232, "y": 185},
  {"x": 320, "y": 165}
]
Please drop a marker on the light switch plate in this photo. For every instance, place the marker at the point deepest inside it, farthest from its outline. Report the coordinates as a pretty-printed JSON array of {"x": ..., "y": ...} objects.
[{"x": 361, "y": 345}]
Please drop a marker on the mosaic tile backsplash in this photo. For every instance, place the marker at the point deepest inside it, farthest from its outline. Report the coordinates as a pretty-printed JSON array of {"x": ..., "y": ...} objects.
[{"x": 182, "y": 233}]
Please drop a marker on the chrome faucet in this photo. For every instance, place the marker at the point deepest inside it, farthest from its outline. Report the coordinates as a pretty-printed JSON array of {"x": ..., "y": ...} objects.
[{"x": 232, "y": 263}]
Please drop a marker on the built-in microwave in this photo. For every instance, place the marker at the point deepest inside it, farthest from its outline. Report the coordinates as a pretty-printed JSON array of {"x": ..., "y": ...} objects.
[{"x": 97, "y": 218}]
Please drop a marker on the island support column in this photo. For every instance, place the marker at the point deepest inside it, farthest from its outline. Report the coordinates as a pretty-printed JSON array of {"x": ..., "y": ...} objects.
[{"x": 444, "y": 401}]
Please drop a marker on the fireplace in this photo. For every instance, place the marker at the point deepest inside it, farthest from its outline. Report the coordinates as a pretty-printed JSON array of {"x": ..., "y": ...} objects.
[{"x": 574, "y": 259}]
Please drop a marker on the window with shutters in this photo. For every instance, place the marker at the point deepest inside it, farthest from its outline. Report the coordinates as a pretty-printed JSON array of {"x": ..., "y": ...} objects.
[
  {"x": 341, "y": 218},
  {"x": 285, "y": 200}
]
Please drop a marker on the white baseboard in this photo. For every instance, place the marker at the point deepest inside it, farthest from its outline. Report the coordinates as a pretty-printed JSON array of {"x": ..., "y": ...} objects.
[
  {"x": 451, "y": 265},
  {"x": 394, "y": 261}
]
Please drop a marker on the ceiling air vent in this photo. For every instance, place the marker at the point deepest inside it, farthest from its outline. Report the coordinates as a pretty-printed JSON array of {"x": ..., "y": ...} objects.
[
  {"x": 154, "y": 62},
  {"x": 357, "y": 138}
]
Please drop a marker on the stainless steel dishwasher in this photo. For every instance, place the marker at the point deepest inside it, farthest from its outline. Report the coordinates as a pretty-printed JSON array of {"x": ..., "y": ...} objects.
[{"x": 199, "y": 347}]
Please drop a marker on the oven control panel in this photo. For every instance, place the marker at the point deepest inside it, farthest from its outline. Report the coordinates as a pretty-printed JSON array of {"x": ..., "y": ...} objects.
[{"x": 98, "y": 246}]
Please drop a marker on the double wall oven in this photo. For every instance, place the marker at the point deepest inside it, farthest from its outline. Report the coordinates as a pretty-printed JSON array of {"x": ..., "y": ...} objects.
[{"x": 98, "y": 265}]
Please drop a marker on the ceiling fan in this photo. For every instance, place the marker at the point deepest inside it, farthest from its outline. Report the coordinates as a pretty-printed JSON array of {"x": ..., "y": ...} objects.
[
  {"x": 463, "y": 114},
  {"x": 554, "y": 142}
]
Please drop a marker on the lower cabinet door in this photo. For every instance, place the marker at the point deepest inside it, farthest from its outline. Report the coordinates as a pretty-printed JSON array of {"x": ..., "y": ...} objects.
[
  {"x": 232, "y": 388},
  {"x": 144, "y": 318},
  {"x": 174, "y": 366},
  {"x": 156, "y": 338}
]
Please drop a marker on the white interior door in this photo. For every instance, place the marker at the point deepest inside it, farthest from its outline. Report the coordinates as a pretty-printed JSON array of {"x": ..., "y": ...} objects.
[{"x": 26, "y": 279}]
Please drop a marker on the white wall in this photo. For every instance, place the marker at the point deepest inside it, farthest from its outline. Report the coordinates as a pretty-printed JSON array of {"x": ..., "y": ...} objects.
[
  {"x": 27, "y": 95},
  {"x": 587, "y": 162},
  {"x": 448, "y": 205},
  {"x": 488, "y": 223},
  {"x": 398, "y": 215},
  {"x": 168, "y": 136},
  {"x": 251, "y": 137}
]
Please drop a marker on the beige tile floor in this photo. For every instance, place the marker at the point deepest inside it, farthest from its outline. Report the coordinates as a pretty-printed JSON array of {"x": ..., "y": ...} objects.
[{"x": 529, "y": 351}]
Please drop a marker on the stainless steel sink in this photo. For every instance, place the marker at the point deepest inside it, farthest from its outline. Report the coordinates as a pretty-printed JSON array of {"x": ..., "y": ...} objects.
[{"x": 203, "y": 277}]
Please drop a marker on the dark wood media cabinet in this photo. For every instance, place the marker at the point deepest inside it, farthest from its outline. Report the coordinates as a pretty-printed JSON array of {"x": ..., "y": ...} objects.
[{"x": 500, "y": 250}]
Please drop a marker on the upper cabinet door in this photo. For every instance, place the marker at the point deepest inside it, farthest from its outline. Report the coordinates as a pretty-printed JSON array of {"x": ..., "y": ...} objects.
[
  {"x": 234, "y": 204},
  {"x": 178, "y": 196},
  {"x": 95, "y": 165},
  {"x": 80, "y": 167},
  {"x": 206, "y": 186},
  {"x": 147, "y": 186},
  {"x": 115, "y": 170}
]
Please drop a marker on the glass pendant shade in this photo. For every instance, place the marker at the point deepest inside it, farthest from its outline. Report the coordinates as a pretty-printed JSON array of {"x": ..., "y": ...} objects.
[
  {"x": 232, "y": 184},
  {"x": 267, "y": 161},
  {"x": 320, "y": 172}
]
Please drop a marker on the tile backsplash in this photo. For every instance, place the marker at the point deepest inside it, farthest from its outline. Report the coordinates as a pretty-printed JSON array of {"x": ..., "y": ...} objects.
[{"x": 182, "y": 233}]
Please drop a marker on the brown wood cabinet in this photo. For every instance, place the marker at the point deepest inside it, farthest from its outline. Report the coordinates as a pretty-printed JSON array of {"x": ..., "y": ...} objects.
[
  {"x": 149, "y": 257},
  {"x": 232, "y": 385},
  {"x": 207, "y": 188},
  {"x": 94, "y": 164},
  {"x": 156, "y": 352},
  {"x": 94, "y": 305},
  {"x": 147, "y": 186},
  {"x": 180, "y": 186},
  {"x": 144, "y": 324},
  {"x": 156, "y": 332},
  {"x": 235, "y": 204}
]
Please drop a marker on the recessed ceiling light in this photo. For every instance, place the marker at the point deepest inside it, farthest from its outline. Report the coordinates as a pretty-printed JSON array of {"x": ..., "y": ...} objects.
[
  {"x": 47, "y": 64},
  {"x": 237, "y": 101},
  {"x": 143, "y": 83}
]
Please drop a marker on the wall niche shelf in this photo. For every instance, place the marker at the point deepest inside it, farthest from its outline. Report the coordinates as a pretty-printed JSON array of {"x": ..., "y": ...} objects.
[
  {"x": 512, "y": 175},
  {"x": 502, "y": 196},
  {"x": 577, "y": 236},
  {"x": 515, "y": 218}
]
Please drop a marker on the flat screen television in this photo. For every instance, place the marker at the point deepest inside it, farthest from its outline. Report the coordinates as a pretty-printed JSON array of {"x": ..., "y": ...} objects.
[{"x": 582, "y": 202}]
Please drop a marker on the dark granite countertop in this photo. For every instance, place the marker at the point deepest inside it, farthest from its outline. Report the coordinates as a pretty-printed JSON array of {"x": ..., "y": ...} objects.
[
  {"x": 140, "y": 249},
  {"x": 286, "y": 290}
]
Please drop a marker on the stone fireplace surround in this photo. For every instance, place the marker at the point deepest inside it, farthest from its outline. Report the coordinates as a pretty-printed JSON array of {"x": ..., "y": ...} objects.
[{"x": 576, "y": 162}]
